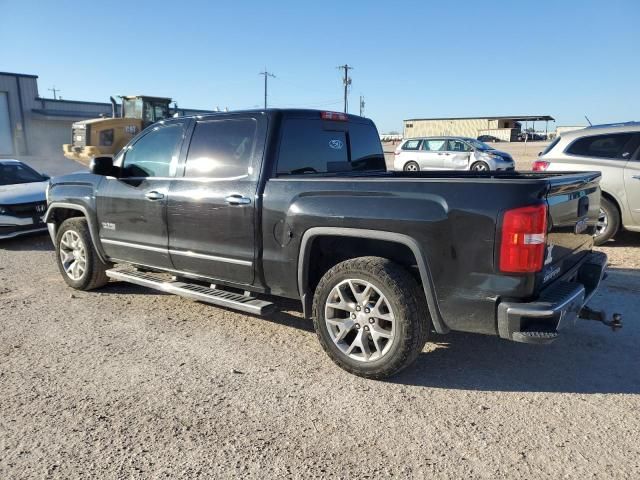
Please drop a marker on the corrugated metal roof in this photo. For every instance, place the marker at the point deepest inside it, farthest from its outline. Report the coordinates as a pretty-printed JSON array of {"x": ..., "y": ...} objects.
[{"x": 500, "y": 117}]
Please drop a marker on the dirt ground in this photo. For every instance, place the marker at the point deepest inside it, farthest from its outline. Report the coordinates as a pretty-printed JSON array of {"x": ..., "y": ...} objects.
[{"x": 125, "y": 382}]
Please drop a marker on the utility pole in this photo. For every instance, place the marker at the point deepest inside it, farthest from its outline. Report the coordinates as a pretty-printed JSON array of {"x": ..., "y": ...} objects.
[
  {"x": 361, "y": 105},
  {"x": 347, "y": 84},
  {"x": 266, "y": 75},
  {"x": 54, "y": 90}
]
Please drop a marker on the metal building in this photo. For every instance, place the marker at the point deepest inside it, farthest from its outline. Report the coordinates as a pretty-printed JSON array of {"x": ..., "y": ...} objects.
[
  {"x": 33, "y": 126},
  {"x": 505, "y": 128}
]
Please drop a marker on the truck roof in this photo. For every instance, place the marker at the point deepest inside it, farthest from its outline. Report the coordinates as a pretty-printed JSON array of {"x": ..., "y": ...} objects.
[{"x": 293, "y": 112}]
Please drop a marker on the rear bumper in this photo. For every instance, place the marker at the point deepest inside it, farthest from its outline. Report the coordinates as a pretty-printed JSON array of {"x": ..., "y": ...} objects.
[{"x": 558, "y": 306}]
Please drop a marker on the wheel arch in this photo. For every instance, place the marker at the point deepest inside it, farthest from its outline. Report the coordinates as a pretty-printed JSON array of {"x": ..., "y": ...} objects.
[
  {"x": 58, "y": 212},
  {"x": 310, "y": 237}
]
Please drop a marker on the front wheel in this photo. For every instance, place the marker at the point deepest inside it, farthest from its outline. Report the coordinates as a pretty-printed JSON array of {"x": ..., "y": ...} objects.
[
  {"x": 77, "y": 260},
  {"x": 480, "y": 167},
  {"x": 370, "y": 316}
]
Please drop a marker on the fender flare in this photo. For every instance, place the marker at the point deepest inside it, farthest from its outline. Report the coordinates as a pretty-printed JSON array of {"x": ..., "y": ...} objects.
[
  {"x": 306, "y": 296},
  {"x": 53, "y": 227}
]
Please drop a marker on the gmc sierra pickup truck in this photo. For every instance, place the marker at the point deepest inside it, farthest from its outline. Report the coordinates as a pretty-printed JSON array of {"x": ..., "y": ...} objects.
[{"x": 235, "y": 208}]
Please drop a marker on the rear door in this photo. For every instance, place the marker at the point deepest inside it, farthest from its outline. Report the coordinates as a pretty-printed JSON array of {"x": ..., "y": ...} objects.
[
  {"x": 632, "y": 180},
  {"x": 433, "y": 153},
  {"x": 132, "y": 208},
  {"x": 211, "y": 212}
]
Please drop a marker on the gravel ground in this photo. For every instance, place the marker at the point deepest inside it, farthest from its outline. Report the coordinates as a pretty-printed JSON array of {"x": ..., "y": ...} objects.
[{"x": 128, "y": 383}]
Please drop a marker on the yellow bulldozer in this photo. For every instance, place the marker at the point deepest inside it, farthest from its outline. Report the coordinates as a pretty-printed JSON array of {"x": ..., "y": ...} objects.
[{"x": 100, "y": 137}]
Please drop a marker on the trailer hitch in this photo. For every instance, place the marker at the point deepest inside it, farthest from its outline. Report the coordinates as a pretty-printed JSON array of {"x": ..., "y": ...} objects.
[{"x": 600, "y": 316}]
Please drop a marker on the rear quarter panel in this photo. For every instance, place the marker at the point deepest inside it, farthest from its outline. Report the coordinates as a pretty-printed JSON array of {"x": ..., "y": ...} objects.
[{"x": 453, "y": 221}]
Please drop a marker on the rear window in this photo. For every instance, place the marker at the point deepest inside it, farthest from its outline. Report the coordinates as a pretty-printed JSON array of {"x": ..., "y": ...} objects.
[
  {"x": 600, "y": 146},
  {"x": 411, "y": 145},
  {"x": 551, "y": 145},
  {"x": 312, "y": 146}
]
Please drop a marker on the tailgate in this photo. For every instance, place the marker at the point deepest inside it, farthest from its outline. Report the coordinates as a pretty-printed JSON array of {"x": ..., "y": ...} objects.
[{"x": 574, "y": 203}]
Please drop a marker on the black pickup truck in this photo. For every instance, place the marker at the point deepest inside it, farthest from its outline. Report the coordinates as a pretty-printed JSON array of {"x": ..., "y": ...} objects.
[{"x": 234, "y": 208}]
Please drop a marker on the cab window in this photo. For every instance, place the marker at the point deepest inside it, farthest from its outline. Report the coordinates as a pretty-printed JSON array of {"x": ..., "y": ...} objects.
[{"x": 155, "y": 154}]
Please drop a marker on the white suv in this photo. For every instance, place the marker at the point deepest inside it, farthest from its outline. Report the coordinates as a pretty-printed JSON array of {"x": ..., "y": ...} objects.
[
  {"x": 615, "y": 151},
  {"x": 449, "y": 153}
]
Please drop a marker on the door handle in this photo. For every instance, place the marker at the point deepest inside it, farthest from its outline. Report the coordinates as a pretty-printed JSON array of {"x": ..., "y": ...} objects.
[
  {"x": 237, "y": 199},
  {"x": 153, "y": 195}
]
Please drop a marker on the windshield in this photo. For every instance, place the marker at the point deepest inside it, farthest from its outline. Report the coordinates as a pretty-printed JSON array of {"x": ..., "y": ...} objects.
[
  {"x": 132, "y": 107},
  {"x": 477, "y": 144},
  {"x": 13, "y": 173}
]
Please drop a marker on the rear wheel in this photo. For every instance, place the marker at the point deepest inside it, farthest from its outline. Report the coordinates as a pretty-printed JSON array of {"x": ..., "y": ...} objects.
[
  {"x": 411, "y": 167},
  {"x": 78, "y": 261},
  {"x": 608, "y": 222},
  {"x": 370, "y": 316},
  {"x": 480, "y": 167}
]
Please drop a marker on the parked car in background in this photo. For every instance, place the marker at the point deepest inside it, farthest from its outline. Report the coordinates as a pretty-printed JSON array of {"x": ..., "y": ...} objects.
[
  {"x": 488, "y": 138},
  {"x": 450, "y": 153},
  {"x": 531, "y": 137},
  {"x": 615, "y": 151},
  {"x": 22, "y": 199}
]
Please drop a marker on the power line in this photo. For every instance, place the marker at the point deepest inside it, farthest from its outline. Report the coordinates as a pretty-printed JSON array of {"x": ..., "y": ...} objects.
[
  {"x": 347, "y": 83},
  {"x": 266, "y": 75}
]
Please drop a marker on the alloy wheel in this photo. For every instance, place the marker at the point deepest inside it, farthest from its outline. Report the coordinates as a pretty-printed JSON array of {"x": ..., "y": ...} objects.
[
  {"x": 360, "y": 320},
  {"x": 603, "y": 222},
  {"x": 73, "y": 255}
]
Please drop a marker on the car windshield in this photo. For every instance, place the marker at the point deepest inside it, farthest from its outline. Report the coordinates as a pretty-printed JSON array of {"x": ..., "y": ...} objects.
[
  {"x": 477, "y": 144},
  {"x": 13, "y": 173}
]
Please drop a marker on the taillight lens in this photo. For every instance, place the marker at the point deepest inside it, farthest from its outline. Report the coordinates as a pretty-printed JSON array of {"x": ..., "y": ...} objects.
[
  {"x": 524, "y": 235},
  {"x": 540, "y": 166},
  {"x": 334, "y": 116}
]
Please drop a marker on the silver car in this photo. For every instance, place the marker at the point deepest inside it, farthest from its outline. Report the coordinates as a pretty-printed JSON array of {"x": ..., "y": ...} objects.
[
  {"x": 615, "y": 151},
  {"x": 22, "y": 199},
  {"x": 449, "y": 153}
]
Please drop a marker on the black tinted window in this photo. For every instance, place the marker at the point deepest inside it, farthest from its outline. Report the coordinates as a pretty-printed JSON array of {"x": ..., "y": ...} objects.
[
  {"x": 221, "y": 148},
  {"x": 307, "y": 147},
  {"x": 600, "y": 146},
  {"x": 13, "y": 173},
  {"x": 366, "y": 149},
  {"x": 155, "y": 154}
]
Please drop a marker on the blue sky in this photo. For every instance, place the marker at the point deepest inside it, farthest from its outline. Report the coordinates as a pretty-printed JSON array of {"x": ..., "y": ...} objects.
[{"x": 410, "y": 59}]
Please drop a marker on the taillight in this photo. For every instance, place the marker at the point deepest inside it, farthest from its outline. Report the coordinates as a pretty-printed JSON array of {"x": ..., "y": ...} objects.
[
  {"x": 540, "y": 166},
  {"x": 334, "y": 116},
  {"x": 524, "y": 234}
]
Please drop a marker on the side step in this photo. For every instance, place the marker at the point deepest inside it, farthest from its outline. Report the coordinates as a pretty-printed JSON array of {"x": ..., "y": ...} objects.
[{"x": 221, "y": 298}]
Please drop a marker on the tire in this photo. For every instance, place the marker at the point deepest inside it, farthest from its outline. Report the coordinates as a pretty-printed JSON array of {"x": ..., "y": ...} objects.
[
  {"x": 480, "y": 167},
  {"x": 405, "y": 303},
  {"x": 82, "y": 269},
  {"x": 608, "y": 222},
  {"x": 411, "y": 167}
]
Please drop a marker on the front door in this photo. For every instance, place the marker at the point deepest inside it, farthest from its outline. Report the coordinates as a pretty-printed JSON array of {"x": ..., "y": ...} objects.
[
  {"x": 132, "y": 208},
  {"x": 457, "y": 155},
  {"x": 632, "y": 186},
  {"x": 212, "y": 207}
]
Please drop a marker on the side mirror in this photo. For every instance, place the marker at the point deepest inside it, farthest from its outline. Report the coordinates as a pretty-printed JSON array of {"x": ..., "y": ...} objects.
[
  {"x": 45, "y": 176},
  {"x": 101, "y": 166}
]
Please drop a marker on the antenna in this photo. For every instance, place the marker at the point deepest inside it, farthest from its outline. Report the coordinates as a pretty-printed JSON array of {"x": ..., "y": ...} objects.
[{"x": 590, "y": 124}]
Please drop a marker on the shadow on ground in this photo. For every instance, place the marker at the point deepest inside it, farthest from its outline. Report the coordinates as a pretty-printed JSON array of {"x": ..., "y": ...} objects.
[{"x": 31, "y": 242}]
